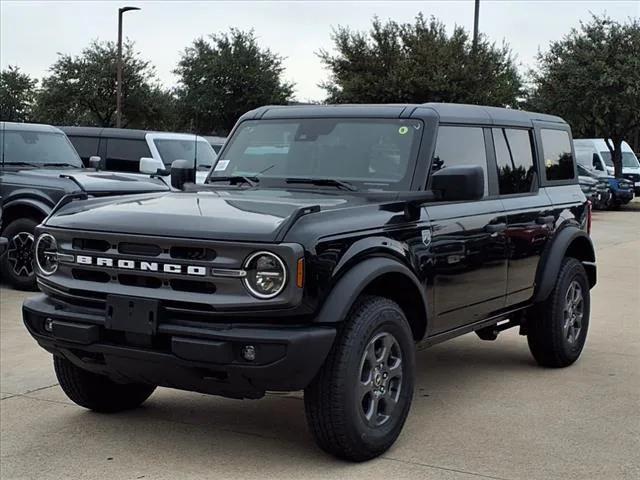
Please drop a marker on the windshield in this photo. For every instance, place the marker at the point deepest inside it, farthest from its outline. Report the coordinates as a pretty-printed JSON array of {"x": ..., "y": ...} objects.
[
  {"x": 178, "y": 149},
  {"x": 376, "y": 154},
  {"x": 628, "y": 159},
  {"x": 38, "y": 148}
]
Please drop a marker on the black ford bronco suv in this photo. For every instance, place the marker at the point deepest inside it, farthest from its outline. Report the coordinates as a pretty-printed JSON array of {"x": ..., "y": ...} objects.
[
  {"x": 39, "y": 166},
  {"x": 325, "y": 244}
]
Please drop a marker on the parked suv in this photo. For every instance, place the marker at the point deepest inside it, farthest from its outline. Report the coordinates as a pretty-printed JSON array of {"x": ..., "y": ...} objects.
[
  {"x": 38, "y": 167},
  {"x": 125, "y": 150},
  {"x": 326, "y": 242}
]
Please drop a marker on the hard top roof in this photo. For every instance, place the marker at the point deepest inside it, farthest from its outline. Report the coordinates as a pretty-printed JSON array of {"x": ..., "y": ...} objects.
[
  {"x": 446, "y": 113},
  {"x": 28, "y": 127}
]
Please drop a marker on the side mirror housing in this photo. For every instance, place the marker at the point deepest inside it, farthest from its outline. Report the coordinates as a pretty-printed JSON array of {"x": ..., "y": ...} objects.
[
  {"x": 96, "y": 162},
  {"x": 152, "y": 166},
  {"x": 463, "y": 182},
  {"x": 182, "y": 172}
]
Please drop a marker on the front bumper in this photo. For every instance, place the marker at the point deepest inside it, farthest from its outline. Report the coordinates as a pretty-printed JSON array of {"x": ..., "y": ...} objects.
[{"x": 204, "y": 358}]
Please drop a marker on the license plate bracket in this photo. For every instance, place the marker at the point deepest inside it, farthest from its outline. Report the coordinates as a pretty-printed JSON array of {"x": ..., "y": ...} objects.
[{"x": 132, "y": 314}]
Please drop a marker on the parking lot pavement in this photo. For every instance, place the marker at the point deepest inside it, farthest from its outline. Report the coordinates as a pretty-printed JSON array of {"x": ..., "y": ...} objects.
[{"x": 481, "y": 409}]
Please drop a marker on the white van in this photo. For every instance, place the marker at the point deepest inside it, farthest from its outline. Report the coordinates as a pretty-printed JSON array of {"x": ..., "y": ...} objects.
[{"x": 601, "y": 158}]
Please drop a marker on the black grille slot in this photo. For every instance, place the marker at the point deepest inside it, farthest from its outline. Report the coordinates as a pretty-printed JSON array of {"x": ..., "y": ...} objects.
[
  {"x": 192, "y": 253},
  {"x": 90, "y": 275},
  {"x": 90, "y": 244},
  {"x": 139, "y": 281},
  {"x": 193, "y": 286},
  {"x": 139, "y": 249}
]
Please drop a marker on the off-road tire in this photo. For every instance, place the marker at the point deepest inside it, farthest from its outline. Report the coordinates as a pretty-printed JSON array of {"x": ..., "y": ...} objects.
[
  {"x": 20, "y": 282},
  {"x": 546, "y": 329},
  {"x": 98, "y": 392},
  {"x": 331, "y": 405}
]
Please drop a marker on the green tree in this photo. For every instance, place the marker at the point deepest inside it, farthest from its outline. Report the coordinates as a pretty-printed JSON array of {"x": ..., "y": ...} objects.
[
  {"x": 592, "y": 79},
  {"x": 17, "y": 93},
  {"x": 418, "y": 62},
  {"x": 222, "y": 77},
  {"x": 81, "y": 90}
]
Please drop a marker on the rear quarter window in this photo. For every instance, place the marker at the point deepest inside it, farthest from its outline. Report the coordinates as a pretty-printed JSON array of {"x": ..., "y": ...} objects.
[{"x": 558, "y": 159}]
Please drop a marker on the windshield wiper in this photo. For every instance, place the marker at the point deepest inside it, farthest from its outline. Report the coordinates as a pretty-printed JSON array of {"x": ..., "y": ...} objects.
[
  {"x": 28, "y": 164},
  {"x": 251, "y": 181},
  {"x": 61, "y": 164},
  {"x": 330, "y": 182}
]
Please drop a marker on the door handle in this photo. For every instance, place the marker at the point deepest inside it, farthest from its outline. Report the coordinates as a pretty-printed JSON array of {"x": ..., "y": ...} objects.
[
  {"x": 495, "y": 227},
  {"x": 545, "y": 220}
]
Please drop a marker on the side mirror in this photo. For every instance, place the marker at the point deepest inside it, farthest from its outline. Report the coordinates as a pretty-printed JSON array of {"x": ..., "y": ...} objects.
[
  {"x": 182, "y": 172},
  {"x": 464, "y": 182},
  {"x": 96, "y": 162},
  {"x": 152, "y": 166}
]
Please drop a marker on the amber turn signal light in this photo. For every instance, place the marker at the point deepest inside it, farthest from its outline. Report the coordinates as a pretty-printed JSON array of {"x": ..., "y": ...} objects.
[{"x": 300, "y": 273}]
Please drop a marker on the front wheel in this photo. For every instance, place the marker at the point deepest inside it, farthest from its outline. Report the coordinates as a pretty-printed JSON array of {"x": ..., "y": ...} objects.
[
  {"x": 358, "y": 402},
  {"x": 18, "y": 261},
  {"x": 557, "y": 328}
]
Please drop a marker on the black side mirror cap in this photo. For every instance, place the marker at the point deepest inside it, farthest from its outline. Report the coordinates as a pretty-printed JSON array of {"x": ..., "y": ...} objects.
[
  {"x": 457, "y": 183},
  {"x": 182, "y": 172}
]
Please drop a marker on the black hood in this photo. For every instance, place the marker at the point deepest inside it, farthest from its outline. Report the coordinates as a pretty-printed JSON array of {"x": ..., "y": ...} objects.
[
  {"x": 242, "y": 215},
  {"x": 94, "y": 182}
]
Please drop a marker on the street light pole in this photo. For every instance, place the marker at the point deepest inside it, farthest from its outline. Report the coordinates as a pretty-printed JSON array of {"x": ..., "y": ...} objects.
[
  {"x": 476, "y": 19},
  {"x": 119, "y": 66}
]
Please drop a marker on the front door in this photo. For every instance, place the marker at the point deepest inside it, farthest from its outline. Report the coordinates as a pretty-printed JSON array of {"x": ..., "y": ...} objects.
[{"x": 468, "y": 241}]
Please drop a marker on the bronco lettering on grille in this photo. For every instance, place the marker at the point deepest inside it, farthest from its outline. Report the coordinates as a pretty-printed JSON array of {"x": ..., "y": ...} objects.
[{"x": 143, "y": 266}]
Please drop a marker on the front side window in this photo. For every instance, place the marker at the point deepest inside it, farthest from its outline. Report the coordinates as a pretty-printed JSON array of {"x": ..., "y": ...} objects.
[
  {"x": 38, "y": 149},
  {"x": 178, "y": 149},
  {"x": 628, "y": 159},
  {"x": 124, "y": 154},
  {"x": 514, "y": 158},
  {"x": 85, "y": 146},
  {"x": 558, "y": 160},
  {"x": 457, "y": 146},
  {"x": 376, "y": 154}
]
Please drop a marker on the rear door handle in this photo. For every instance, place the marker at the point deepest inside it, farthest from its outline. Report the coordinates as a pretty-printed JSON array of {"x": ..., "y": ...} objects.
[
  {"x": 495, "y": 227},
  {"x": 545, "y": 220}
]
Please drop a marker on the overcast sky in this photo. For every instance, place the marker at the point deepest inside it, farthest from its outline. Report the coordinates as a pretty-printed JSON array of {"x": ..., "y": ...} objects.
[{"x": 33, "y": 32}]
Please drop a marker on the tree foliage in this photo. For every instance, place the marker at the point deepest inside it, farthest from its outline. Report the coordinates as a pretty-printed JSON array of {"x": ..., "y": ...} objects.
[
  {"x": 81, "y": 90},
  {"x": 222, "y": 77},
  {"x": 17, "y": 93},
  {"x": 418, "y": 62},
  {"x": 592, "y": 79}
]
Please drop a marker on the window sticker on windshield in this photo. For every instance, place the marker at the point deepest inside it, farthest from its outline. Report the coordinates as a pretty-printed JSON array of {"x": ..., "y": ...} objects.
[
  {"x": 222, "y": 165},
  {"x": 403, "y": 130}
]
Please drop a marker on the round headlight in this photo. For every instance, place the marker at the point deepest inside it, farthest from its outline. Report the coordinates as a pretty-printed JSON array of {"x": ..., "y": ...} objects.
[
  {"x": 266, "y": 275},
  {"x": 47, "y": 254}
]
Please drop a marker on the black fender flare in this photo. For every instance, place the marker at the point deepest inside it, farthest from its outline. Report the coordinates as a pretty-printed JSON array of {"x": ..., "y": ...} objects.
[
  {"x": 34, "y": 203},
  {"x": 347, "y": 289},
  {"x": 570, "y": 240}
]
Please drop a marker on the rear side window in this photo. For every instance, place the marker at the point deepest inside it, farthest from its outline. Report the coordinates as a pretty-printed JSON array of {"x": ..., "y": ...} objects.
[
  {"x": 124, "y": 155},
  {"x": 85, "y": 146},
  {"x": 514, "y": 158},
  {"x": 460, "y": 146},
  {"x": 558, "y": 160}
]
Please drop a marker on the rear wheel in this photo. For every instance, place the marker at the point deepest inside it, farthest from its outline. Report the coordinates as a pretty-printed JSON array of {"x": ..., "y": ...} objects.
[
  {"x": 98, "y": 392},
  {"x": 358, "y": 403},
  {"x": 18, "y": 261},
  {"x": 557, "y": 328}
]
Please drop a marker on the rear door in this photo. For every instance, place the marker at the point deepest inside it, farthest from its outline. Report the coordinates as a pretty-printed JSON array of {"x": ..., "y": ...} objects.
[
  {"x": 529, "y": 212},
  {"x": 468, "y": 240}
]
